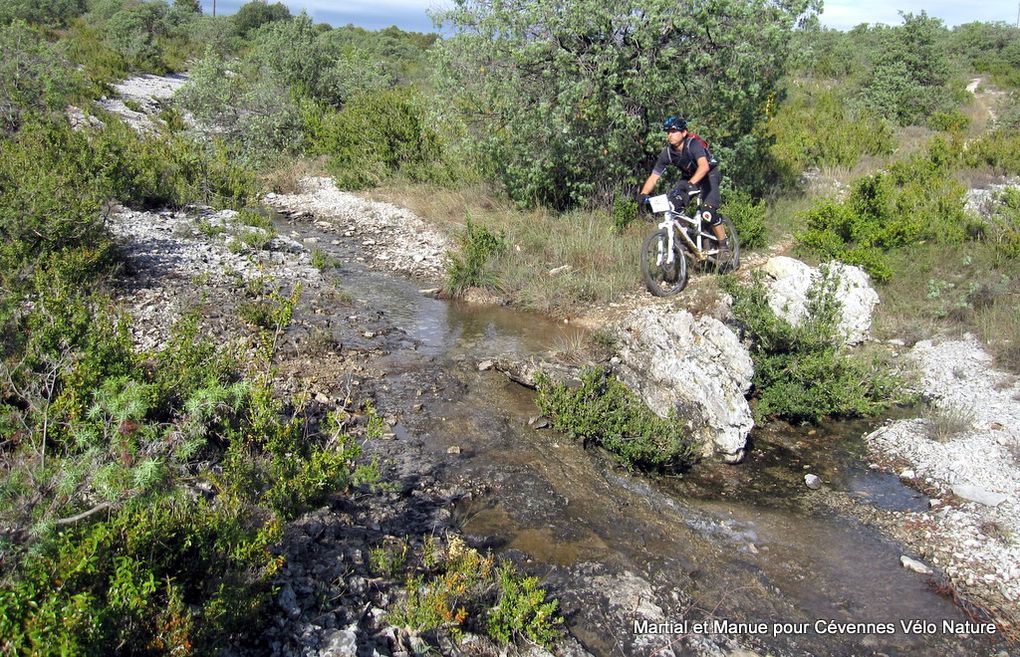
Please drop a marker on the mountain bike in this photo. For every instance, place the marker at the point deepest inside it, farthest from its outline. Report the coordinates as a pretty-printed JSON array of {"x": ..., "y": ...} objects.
[{"x": 683, "y": 241}]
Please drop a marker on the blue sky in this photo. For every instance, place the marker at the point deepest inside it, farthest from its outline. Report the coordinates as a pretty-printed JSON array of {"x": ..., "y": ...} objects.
[{"x": 840, "y": 14}]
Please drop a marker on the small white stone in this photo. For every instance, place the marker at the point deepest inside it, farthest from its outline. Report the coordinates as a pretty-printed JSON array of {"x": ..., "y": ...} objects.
[
  {"x": 812, "y": 481},
  {"x": 914, "y": 565}
]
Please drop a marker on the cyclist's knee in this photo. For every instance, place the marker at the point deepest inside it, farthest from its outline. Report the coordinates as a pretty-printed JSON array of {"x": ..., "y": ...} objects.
[{"x": 711, "y": 215}]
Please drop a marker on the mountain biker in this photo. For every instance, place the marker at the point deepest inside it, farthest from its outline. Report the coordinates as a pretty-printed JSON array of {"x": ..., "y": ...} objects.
[{"x": 699, "y": 170}]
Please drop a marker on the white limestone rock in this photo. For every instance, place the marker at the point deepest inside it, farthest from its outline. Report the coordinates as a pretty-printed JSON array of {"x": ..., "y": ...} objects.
[
  {"x": 788, "y": 281},
  {"x": 697, "y": 367}
]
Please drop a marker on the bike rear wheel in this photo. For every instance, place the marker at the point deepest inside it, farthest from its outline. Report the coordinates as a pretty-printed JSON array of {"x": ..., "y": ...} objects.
[
  {"x": 662, "y": 278},
  {"x": 713, "y": 263}
]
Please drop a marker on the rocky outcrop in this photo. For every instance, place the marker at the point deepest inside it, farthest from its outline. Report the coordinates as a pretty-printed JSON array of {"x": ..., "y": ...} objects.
[
  {"x": 524, "y": 370},
  {"x": 697, "y": 367},
  {"x": 788, "y": 281},
  {"x": 139, "y": 99}
]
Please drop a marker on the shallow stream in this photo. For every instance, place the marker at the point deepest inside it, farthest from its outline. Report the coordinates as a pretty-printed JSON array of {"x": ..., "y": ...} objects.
[{"x": 738, "y": 543}]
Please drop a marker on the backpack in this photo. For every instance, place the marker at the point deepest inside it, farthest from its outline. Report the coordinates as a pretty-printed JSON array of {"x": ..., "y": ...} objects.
[{"x": 687, "y": 144}]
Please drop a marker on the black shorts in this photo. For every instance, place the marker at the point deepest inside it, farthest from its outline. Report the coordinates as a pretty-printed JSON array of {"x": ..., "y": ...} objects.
[{"x": 709, "y": 186}]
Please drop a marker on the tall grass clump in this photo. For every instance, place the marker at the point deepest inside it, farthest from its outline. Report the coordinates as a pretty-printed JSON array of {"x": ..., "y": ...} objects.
[
  {"x": 604, "y": 411},
  {"x": 913, "y": 200},
  {"x": 471, "y": 267},
  {"x": 803, "y": 372}
]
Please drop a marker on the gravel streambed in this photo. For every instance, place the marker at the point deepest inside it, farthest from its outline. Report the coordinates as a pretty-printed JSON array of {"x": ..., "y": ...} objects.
[
  {"x": 392, "y": 238},
  {"x": 967, "y": 456}
]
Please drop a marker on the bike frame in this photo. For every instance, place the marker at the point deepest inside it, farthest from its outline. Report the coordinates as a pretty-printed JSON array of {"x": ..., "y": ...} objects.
[{"x": 677, "y": 222}]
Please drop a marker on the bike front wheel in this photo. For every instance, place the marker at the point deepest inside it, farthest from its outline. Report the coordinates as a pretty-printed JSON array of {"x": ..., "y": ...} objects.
[{"x": 662, "y": 278}]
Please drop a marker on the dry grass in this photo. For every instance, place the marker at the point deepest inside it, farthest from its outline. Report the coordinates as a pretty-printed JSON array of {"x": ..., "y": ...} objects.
[
  {"x": 953, "y": 289},
  {"x": 286, "y": 178},
  {"x": 947, "y": 422},
  {"x": 602, "y": 265}
]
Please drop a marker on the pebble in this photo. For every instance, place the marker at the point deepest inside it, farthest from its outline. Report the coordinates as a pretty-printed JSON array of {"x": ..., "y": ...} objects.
[
  {"x": 914, "y": 565},
  {"x": 812, "y": 481}
]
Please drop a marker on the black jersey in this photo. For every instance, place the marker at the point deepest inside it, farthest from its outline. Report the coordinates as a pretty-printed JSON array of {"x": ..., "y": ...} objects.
[{"x": 684, "y": 158}]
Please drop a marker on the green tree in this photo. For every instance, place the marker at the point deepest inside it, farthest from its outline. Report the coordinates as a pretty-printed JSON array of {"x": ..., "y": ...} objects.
[
  {"x": 134, "y": 31},
  {"x": 911, "y": 75},
  {"x": 566, "y": 96},
  {"x": 257, "y": 13}
]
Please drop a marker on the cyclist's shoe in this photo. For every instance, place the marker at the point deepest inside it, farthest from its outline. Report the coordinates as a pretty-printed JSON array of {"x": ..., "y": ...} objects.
[{"x": 724, "y": 259}]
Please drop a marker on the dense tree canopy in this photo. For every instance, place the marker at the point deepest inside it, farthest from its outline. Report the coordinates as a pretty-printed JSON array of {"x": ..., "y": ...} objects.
[{"x": 567, "y": 97}]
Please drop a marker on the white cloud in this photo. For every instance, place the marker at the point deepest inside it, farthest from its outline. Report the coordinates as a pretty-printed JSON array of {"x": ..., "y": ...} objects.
[{"x": 844, "y": 14}]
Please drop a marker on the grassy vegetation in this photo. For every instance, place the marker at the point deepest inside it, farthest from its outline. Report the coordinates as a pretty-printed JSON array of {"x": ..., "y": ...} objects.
[
  {"x": 604, "y": 412},
  {"x": 802, "y": 373}
]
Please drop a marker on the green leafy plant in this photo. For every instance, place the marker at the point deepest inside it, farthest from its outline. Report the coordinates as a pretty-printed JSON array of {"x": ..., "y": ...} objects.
[
  {"x": 478, "y": 245},
  {"x": 459, "y": 589},
  {"x": 605, "y": 412},
  {"x": 802, "y": 373},
  {"x": 913, "y": 201}
]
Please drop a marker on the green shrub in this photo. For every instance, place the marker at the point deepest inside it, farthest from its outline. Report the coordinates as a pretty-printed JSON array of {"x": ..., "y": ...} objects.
[
  {"x": 1006, "y": 223},
  {"x": 521, "y": 611},
  {"x": 949, "y": 121},
  {"x": 603, "y": 411},
  {"x": 817, "y": 126},
  {"x": 375, "y": 136},
  {"x": 172, "y": 577},
  {"x": 42, "y": 12},
  {"x": 748, "y": 217},
  {"x": 801, "y": 373},
  {"x": 998, "y": 150},
  {"x": 470, "y": 268},
  {"x": 35, "y": 77},
  {"x": 459, "y": 589},
  {"x": 253, "y": 15},
  {"x": 50, "y": 200},
  {"x": 914, "y": 200}
]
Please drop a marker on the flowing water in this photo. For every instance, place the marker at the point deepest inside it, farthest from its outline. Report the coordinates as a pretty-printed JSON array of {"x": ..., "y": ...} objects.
[{"x": 737, "y": 543}]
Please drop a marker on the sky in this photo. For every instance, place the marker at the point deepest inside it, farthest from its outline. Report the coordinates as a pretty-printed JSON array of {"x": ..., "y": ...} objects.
[{"x": 840, "y": 14}]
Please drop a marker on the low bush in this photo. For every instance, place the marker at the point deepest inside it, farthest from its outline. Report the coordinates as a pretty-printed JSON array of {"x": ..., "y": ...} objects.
[
  {"x": 470, "y": 267},
  {"x": 913, "y": 200},
  {"x": 1006, "y": 223},
  {"x": 603, "y": 411},
  {"x": 998, "y": 150},
  {"x": 35, "y": 76},
  {"x": 457, "y": 589},
  {"x": 801, "y": 373},
  {"x": 748, "y": 216},
  {"x": 375, "y": 136},
  {"x": 817, "y": 126},
  {"x": 145, "y": 492}
]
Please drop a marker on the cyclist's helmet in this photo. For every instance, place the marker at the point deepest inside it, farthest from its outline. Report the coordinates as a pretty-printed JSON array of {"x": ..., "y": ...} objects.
[{"x": 674, "y": 123}]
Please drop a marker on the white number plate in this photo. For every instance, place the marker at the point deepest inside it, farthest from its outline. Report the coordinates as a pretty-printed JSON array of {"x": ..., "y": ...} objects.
[{"x": 660, "y": 203}]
